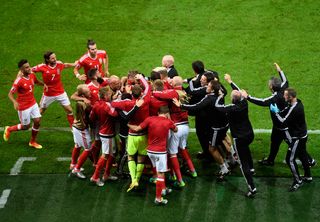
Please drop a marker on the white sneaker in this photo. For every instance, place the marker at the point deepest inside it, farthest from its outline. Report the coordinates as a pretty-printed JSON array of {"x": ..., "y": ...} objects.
[
  {"x": 78, "y": 173},
  {"x": 161, "y": 202},
  {"x": 110, "y": 177},
  {"x": 98, "y": 182}
]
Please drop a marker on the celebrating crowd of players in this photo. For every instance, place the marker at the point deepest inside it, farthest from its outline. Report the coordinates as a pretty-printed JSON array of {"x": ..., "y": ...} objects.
[{"x": 150, "y": 115}]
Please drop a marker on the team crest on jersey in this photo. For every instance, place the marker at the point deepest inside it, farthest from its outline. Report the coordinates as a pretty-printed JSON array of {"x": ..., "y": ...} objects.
[
  {"x": 58, "y": 71},
  {"x": 25, "y": 84},
  {"x": 100, "y": 60}
]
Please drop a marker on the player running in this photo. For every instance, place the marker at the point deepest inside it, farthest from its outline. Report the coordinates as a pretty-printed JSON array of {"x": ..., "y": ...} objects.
[
  {"x": 158, "y": 129},
  {"x": 93, "y": 59},
  {"x": 25, "y": 103},
  {"x": 51, "y": 75}
]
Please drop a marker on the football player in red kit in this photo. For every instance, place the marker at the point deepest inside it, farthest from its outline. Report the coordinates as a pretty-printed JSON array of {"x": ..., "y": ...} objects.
[
  {"x": 51, "y": 75},
  {"x": 158, "y": 130},
  {"x": 93, "y": 59},
  {"x": 25, "y": 103},
  {"x": 103, "y": 114}
]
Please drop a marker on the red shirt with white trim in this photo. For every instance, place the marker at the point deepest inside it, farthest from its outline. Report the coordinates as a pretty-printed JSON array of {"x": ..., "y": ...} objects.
[
  {"x": 177, "y": 114},
  {"x": 51, "y": 77},
  {"x": 24, "y": 88},
  {"x": 155, "y": 104},
  {"x": 158, "y": 131},
  {"x": 142, "y": 113},
  {"x": 103, "y": 114},
  {"x": 94, "y": 92},
  {"x": 92, "y": 63}
]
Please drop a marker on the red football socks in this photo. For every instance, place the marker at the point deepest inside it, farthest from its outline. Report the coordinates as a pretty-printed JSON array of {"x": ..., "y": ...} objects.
[
  {"x": 176, "y": 167},
  {"x": 186, "y": 156}
]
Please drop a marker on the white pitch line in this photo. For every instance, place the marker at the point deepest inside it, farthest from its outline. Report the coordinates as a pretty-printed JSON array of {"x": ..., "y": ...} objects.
[
  {"x": 64, "y": 159},
  {"x": 16, "y": 169},
  {"x": 4, "y": 197},
  {"x": 191, "y": 130}
]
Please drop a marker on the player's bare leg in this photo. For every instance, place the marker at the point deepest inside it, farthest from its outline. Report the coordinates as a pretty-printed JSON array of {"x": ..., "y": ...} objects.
[
  {"x": 34, "y": 133},
  {"x": 214, "y": 151}
]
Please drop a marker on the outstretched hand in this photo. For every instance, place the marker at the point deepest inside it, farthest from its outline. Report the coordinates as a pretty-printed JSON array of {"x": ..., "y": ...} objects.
[
  {"x": 277, "y": 67},
  {"x": 244, "y": 93},
  {"x": 139, "y": 102},
  {"x": 227, "y": 77},
  {"x": 176, "y": 102}
]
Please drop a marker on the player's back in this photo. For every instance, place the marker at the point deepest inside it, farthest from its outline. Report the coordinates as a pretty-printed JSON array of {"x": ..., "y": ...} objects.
[{"x": 104, "y": 113}]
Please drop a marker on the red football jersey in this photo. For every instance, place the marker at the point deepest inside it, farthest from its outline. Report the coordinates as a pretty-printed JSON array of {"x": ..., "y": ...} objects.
[
  {"x": 155, "y": 105},
  {"x": 24, "y": 88},
  {"x": 142, "y": 113},
  {"x": 103, "y": 114},
  {"x": 158, "y": 131},
  {"x": 177, "y": 114},
  {"x": 92, "y": 63},
  {"x": 51, "y": 77},
  {"x": 94, "y": 91}
]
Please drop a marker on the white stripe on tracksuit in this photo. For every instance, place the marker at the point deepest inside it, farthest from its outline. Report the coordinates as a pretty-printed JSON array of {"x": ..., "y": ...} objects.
[{"x": 292, "y": 161}]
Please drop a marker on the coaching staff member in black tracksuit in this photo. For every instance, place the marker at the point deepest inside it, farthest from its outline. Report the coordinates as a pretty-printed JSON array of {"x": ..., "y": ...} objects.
[
  {"x": 293, "y": 117},
  {"x": 241, "y": 131},
  {"x": 279, "y": 130}
]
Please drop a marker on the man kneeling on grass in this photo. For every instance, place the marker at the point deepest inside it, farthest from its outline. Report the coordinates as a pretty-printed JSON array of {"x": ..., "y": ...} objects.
[{"x": 158, "y": 130}]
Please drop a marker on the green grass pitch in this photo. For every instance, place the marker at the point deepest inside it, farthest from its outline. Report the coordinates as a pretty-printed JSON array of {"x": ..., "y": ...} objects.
[{"x": 243, "y": 38}]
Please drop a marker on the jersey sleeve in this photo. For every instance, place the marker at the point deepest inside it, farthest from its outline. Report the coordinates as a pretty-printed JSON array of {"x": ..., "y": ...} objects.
[
  {"x": 205, "y": 102},
  {"x": 145, "y": 123},
  {"x": 262, "y": 101},
  {"x": 15, "y": 85},
  {"x": 37, "y": 68},
  {"x": 166, "y": 94},
  {"x": 111, "y": 110}
]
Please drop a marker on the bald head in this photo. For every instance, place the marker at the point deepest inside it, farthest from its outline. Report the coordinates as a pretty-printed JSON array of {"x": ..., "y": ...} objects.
[
  {"x": 167, "y": 61},
  {"x": 177, "y": 81},
  {"x": 235, "y": 96},
  {"x": 83, "y": 90},
  {"x": 114, "y": 82}
]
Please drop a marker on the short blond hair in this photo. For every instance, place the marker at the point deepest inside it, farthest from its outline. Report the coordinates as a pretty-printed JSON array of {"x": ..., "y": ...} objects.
[{"x": 81, "y": 89}]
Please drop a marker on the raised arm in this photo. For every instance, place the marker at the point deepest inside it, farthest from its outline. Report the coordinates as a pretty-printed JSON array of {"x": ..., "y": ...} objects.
[
  {"x": 283, "y": 77},
  {"x": 227, "y": 77}
]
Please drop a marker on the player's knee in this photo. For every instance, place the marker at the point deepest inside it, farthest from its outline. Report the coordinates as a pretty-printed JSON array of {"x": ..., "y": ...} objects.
[
  {"x": 42, "y": 110},
  {"x": 68, "y": 109},
  {"x": 130, "y": 158},
  {"x": 25, "y": 127}
]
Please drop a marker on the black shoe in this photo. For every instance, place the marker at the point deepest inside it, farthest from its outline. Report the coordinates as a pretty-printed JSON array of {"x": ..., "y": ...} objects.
[
  {"x": 266, "y": 162},
  {"x": 200, "y": 155},
  {"x": 253, "y": 172},
  {"x": 312, "y": 163},
  {"x": 306, "y": 179},
  {"x": 251, "y": 193},
  {"x": 295, "y": 186}
]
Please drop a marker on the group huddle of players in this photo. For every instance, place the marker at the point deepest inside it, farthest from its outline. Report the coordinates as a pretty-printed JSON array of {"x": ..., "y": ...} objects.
[{"x": 150, "y": 115}]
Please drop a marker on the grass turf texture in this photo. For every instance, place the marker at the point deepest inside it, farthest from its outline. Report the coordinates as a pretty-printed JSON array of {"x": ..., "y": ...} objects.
[
  {"x": 58, "y": 198},
  {"x": 242, "y": 38}
]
